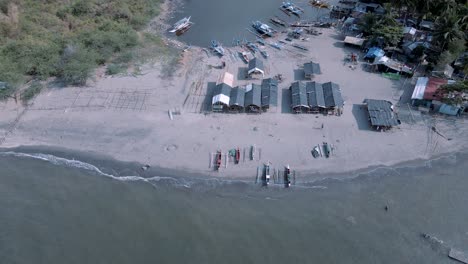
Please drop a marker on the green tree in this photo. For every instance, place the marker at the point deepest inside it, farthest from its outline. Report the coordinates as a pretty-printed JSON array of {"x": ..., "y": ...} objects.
[{"x": 78, "y": 66}]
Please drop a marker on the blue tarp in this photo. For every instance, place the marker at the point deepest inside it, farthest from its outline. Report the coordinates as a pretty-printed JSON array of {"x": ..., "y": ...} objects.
[{"x": 374, "y": 52}]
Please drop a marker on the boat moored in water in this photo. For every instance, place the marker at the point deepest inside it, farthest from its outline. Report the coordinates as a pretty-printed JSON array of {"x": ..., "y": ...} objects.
[
  {"x": 290, "y": 7},
  {"x": 182, "y": 25},
  {"x": 263, "y": 29}
]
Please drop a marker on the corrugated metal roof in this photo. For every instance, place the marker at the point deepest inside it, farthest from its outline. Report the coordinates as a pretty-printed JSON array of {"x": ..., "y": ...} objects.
[
  {"x": 332, "y": 95},
  {"x": 315, "y": 94},
  {"x": 381, "y": 113},
  {"x": 419, "y": 89},
  {"x": 221, "y": 94},
  {"x": 269, "y": 92},
  {"x": 237, "y": 97},
  {"x": 299, "y": 94},
  {"x": 255, "y": 63},
  {"x": 253, "y": 95},
  {"x": 311, "y": 68}
]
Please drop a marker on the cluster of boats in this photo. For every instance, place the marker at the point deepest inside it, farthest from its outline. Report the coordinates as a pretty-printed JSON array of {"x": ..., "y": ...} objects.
[{"x": 266, "y": 175}]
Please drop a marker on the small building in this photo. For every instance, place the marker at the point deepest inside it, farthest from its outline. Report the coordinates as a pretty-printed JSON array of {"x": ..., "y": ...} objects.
[
  {"x": 311, "y": 69},
  {"x": 373, "y": 53},
  {"x": 315, "y": 97},
  {"x": 369, "y": 8},
  {"x": 256, "y": 67},
  {"x": 452, "y": 110},
  {"x": 385, "y": 64},
  {"x": 269, "y": 93},
  {"x": 425, "y": 91},
  {"x": 236, "y": 102},
  {"x": 381, "y": 115},
  {"x": 227, "y": 78},
  {"x": 221, "y": 97},
  {"x": 299, "y": 97},
  {"x": 332, "y": 96},
  {"x": 253, "y": 98}
]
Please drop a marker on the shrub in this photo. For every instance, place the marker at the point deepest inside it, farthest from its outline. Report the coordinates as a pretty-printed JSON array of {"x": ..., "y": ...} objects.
[
  {"x": 78, "y": 67},
  {"x": 30, "y": 92}
]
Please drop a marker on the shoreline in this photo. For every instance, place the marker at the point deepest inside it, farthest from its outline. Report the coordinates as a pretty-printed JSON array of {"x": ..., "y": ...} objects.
[{"x": 122, "y": 169}]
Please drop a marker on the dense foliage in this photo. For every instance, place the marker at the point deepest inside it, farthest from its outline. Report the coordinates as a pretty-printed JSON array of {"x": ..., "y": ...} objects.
[{"x": 67, "y": 38}]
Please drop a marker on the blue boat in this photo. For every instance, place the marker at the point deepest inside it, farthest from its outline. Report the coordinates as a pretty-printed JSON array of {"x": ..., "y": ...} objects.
[
  {"x": 252, "y": 47},
  {"x": 291, "y": 8},
  {"x": 261, "y": 41},
  {"x": 264, "y": 54},
  {"x": 216, "y": 46},
  {"x": 276, "y": 45},
  {"x": 262, "y": 28}
]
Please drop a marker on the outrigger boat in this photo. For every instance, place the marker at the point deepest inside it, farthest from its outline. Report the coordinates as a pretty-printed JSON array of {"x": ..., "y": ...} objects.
[
  {"x": 319, "y": 4},
  {"x": 261, "y": 41},
  {"x": 264, "y": 54},
  {"x": 216, "y": 46},
  {"x": 326, "y": 149},
  {"x": 316, "y": 152},
  {"x": 290, "y": 7},
  {"x": 276, "y": 45},
  {"x": 266, "y": 173},
  {"x": 287, "y": 176},
  {"x": 299, "y": 46},
  {"x": 218, "y": 160},
  {"x": 182, "y": 24},
  {"x": 252, "y": 47},
  {"x": 278, "y": 21},
  {"x": 237, "y": 155},
  {"x": 244, "y": 56},
  {"x": 263, "y": 29}
]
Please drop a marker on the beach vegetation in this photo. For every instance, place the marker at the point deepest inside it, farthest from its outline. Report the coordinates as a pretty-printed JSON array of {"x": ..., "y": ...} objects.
[
  {"x": 68, "y": 39},
  {"x": 31, "y": 91}
]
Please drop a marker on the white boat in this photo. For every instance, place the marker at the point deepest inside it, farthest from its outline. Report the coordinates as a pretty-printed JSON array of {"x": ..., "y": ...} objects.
[{"x": 181, "y": 24}]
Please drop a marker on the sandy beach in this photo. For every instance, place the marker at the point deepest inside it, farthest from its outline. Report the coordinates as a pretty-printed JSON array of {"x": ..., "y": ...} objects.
[{"x": 126, "y": 117}]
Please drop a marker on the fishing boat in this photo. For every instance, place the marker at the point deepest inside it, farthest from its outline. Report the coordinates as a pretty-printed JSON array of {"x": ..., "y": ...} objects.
[
  {"x": 266, "y": 173},
  {"x": 237, "y": 156},
  {"x": 263, "y": 29},
  {"x": 276, "y": 45},
  {"x": 287, "y": 176},
  {"x": 252, "y": 47},
  {"x": 316, "y": 152},
  {"x": 264, "y": 54},
  {"x": 326, "y": 149},
  {"x": 278, "y": 21},
  {"x": 181, "y": 25},
  {"x": 290, "y": 7},
  {"x": 244, "y": 56},
  {"x": 216, "y": 46},
  {"x": 218, "y": 160},
  {"x": 302, "y": 24},
  {"x": 261, "y": 41},
  {"x": 319, "y": 4},
  {"x": 252, "y": 152},
  {"x": 299, "y": 46}
]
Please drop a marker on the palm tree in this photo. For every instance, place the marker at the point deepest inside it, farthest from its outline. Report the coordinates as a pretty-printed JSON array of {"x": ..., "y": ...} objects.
[
  {"x": 368, "y": 23},
  {"x": 447, "y": 29}
]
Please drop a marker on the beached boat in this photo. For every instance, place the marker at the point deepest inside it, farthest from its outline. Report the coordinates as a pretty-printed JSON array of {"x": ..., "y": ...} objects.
[
  {"x": 299, "y": 46},
  {"x": 252, "y": 152},
  {"x": 237, "y": 156},
  {"x": 326, "y": 149},
  {"x": 261, "y": 41},
  {"x": 276, "y": 45},
  {"x": 216, "y": 46},
  {"x": 181, "y": 25},
  {"x": 287, "y": 176},
  {"x": 278, "y": 21},
  {"x": 316, "y": 152},
  {"x": 218, "y": 159},
  {"x": 245, "y": 56},
  {"x": 290, "y": 7},
  {"x": 266, "y": 173},
  {"x": 302, "y": 24},
  {"x": 251, "y": 46},
  {"x": 263, "y": 29},
  {"x": 264, "y": 54}
]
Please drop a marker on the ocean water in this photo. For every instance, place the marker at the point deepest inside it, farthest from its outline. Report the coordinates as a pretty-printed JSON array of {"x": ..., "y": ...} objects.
[
  {"x": 229, "y": 20},
  {"x": 54, "y": 210}
]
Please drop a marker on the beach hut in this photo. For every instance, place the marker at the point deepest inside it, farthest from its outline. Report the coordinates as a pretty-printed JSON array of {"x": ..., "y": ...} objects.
[
  {"x": 333, "y": 100},
  {"x": 354, "y": 41},
  {"x": 381, "y": 115},
  {"x": 373, "y": 53},
  {"x": 315, "y": 97},
  {"x": 256, "y": 67},
  {"x": 221, "y": 97},
  {"x": 299, "y": 97},
  {"x": 236, "y": 102},
  {"x": 269, "y": 93},
  {"x": 426, "y": 89},
  {"x": 311, "y": 69},
  {"x": 253, "y": 98}
]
